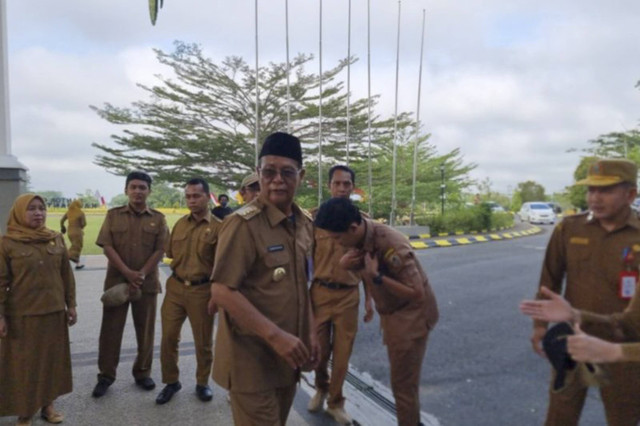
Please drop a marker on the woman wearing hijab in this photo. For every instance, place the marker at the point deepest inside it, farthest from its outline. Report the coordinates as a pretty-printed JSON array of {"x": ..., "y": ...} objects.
[
  {"x": 77, "y": 222},
  {"x": 37, "y": 304}
]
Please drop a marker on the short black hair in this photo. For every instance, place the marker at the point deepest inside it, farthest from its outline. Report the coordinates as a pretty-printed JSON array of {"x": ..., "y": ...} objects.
[
  {"x": 199, "y": 181},
  {"x": 344, "y": 169},
  {"x": 337, "y": 214},
  {"x": 138, "y": 176},
  {"x": 223, "y": 195}
]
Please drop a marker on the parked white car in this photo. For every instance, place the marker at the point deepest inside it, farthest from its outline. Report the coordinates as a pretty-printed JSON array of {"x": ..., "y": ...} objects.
[{"x": 537, "y": 212}]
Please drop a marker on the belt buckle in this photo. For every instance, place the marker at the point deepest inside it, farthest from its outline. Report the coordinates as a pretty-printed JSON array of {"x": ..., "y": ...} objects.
[{"x": 187, "y": 283}]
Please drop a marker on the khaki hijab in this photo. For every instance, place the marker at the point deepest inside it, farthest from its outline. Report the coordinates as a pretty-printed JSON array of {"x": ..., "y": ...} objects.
[{"x": 17, "y": 228}]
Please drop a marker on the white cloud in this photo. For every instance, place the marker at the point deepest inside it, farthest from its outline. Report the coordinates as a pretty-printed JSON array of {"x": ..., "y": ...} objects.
[{"x": 513, "y": 84}]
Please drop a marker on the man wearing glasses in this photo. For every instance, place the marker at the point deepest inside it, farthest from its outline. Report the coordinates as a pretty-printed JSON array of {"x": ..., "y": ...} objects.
[{"x": 266, "y": 334}]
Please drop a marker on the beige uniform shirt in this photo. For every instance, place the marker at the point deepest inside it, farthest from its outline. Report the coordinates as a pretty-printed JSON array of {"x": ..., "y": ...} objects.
[
  {"x": 264, "y": 255},
  {"x": 401, "y": 319},
  {"x": 591, "y": 259},
  {"x": 35, "y": 278},
  {"x": 135, "y": 237},
  {"x": 192, "y": 246}
]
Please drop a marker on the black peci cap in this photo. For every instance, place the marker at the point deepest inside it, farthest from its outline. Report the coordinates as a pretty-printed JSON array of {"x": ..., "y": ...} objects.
[{"x": 283, "y": 145}]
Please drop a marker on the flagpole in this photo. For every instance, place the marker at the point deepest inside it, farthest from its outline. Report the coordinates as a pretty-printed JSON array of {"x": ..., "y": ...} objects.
[
  {"x": 417, "y": 135},
  {"x": 369, "y": 104},
  {"x": 348, "y": 80},
  {"x": 320, "y": 114},
  {"x": 286, "y": 14},
  {"x": 257, "y": 132},
  {"x": 392, "y": 216}
]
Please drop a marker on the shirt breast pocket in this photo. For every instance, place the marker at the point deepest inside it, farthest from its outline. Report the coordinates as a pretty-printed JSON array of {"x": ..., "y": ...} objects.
[
  {"x": 278, "y": 263},
  {"x": 119, "y": 235},
  {"x": 55, "y": 252},
  {"x": 149, "y": 234},
  {"x": 579, "y": 260},
  {"x": 22, "y": 258},
  {"x": 207, "y": 245},
  {"x": 178, "y": 244}
]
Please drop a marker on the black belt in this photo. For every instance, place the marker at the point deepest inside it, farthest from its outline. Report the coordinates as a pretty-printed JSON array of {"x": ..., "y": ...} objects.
[
  {"x": 190, "y": 283},
  {"x": 334, "y": 286}
]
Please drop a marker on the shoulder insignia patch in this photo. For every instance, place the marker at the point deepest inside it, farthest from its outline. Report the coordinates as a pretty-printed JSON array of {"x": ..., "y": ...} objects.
[
  {"x": 307, "y": 214},
  {"x": 248, "y": 212},
  {"x": 392, "y": 258}
]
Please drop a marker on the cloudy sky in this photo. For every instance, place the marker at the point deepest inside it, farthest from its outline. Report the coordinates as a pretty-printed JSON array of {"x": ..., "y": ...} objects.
[{"x": 513, "y": 84}]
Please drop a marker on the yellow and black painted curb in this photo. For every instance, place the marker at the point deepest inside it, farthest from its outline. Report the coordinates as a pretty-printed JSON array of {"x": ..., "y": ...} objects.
[{"x": 428, "y": 242}]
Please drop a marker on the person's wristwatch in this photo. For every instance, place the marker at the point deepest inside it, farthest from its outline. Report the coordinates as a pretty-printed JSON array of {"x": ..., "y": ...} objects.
[{"x": 377, "y": 280}]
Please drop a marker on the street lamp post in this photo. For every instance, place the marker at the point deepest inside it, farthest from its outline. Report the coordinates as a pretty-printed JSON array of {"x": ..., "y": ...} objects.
[{"x": 442, "y": 187}]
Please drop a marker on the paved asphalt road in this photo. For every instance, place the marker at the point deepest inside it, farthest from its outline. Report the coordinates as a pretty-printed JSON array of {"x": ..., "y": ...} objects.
[{"x": 479, "y": 368}]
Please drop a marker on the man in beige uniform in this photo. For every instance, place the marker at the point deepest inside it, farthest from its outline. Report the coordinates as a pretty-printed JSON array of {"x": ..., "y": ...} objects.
[
  {"x": 335, "y": 299},
  {"x": 265, "y": 335},
  {"x": 133, "y": 239},
  {"x": 192, "y": 249},
  {"x": 250, "y": 187},
  {"x": 588, "y": 251},
  {"x": 400, "y": 290}
]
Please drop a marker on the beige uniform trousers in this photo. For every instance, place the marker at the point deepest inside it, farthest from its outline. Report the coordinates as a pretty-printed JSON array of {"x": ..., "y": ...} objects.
[
  {"x": 113, "y": 322},
  {"x": 406, "y": 359},
  {"x": 336, "y": 318},
  {"x": 269, "y": 408},
  {"x": 621, "y": 406},
  {"x": 182, "y": 302},
  {"x": 75, "y": 236}
]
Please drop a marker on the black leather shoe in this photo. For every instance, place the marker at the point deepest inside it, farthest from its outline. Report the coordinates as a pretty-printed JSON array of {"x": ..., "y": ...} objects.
[
  {"x": 101, "y": 387},
  {"x": 204, "y": 393},
  {"x": 147, "y": 383},
  {"x": 167, "y": 393}
]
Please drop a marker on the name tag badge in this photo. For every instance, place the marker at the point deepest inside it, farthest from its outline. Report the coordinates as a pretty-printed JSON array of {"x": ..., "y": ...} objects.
[
  {"x": 627, "y": 285},
  {"x": 278, "y": 247}
]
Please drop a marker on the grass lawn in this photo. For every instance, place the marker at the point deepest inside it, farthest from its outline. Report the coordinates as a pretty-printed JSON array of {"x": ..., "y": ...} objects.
[{"x": 94, "y": 222}]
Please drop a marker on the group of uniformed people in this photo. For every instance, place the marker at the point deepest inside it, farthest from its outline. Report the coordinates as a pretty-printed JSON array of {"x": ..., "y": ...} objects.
[
  {"x": 285, "y": 283},
  {"x": 286, "y": 292}
]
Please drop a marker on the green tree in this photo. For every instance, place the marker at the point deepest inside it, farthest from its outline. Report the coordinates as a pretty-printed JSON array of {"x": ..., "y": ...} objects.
[
  {"x": 164, "y": 195},
  {"x": 530, "y": 191},
  {"x": 119, "y": 200},
  {"x": 578, "y": 193},
  {"x": 202, "y": 121},
  {"x": 88, "y": 198}
]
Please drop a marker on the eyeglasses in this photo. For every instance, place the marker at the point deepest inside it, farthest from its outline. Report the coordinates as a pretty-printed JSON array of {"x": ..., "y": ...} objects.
[{"x": 288, "y": 173}]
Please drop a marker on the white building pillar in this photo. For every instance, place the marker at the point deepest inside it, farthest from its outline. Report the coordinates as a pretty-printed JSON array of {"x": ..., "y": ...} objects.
[{"x": 13, "y": 175}]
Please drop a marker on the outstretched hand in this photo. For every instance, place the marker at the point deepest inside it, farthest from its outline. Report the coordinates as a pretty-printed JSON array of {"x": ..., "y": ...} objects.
[{"x": 554, "y": 309}]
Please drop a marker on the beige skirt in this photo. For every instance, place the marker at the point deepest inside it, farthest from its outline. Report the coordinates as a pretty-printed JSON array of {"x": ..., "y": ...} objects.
[{"x": 35, "y": 363}]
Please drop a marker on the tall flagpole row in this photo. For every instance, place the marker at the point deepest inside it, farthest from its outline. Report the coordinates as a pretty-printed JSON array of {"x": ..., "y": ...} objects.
[
  {"x": 392, "y": 216},
  {"x": 257, "y": 88},
  {"x": 348, "y": 80},
  {"x": 417, "y": 131},
  {"x": 320, "y": 113},
  {"x": 286, "y": 9}
]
